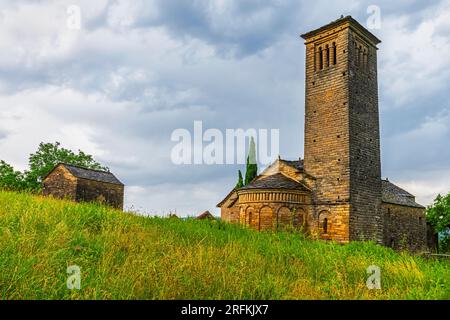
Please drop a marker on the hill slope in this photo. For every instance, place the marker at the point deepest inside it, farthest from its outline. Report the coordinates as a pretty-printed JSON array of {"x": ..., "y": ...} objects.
[{"x": 123, "y": 256}]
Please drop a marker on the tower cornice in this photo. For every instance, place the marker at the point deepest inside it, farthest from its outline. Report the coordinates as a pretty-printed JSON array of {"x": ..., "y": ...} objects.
[{"x": 338, "y": 25}]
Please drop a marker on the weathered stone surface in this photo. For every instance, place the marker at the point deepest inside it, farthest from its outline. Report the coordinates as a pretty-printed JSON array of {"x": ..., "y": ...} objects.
[
  {"x": 95, "y": 191},
  {"x": 60, "y": 184},
  {"x": 404, "y": 227}
]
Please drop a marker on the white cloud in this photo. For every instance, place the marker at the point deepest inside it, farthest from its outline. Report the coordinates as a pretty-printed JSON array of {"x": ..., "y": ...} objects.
[
  {"x": 426, "y": 185},
  {"x": 424, "y": 147},
  {"x": 414, "y": 60},
  {"x": 52, "y": 114}
]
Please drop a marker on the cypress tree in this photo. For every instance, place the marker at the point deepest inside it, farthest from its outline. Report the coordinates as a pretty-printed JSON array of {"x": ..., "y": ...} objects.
[
  {"x": 252, "y": 166},
  {"x": 240, "y": 183}
]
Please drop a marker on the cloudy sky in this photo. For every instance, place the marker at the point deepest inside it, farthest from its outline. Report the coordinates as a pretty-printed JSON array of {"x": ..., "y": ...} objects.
[{"x": 118, "y": 86}]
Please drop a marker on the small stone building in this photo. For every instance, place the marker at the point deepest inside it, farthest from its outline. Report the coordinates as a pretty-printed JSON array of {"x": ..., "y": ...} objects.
[
  {"x": 335, "y": 193},
  {"x": 206, "y": 216},
  {"x": 405, "y": 225},
  {"x": 83, "y": 185}
]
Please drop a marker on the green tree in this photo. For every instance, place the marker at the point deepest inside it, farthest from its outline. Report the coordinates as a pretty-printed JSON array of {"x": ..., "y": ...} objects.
[
  {"x": 252, "y": 166},
  {"x": 48, "y": 156},
  {"x": 240, "y": 183},
  {"x": 438, "y": 215},
  {"x": 9, "y": 178}
]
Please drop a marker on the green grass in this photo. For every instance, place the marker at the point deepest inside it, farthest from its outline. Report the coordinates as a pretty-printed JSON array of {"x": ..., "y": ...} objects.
[{"x": 123, "y": 256}]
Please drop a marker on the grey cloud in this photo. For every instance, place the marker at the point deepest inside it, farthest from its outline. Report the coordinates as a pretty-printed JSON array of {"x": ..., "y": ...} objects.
[
  {"x": 234, "y": 28},
  {"x": 3, "y": 134},
  {"x": 134, "y": 96}
]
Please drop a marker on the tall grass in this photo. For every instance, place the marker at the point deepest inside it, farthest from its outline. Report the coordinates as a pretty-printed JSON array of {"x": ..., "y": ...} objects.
[{"x": 124, "y": 256}]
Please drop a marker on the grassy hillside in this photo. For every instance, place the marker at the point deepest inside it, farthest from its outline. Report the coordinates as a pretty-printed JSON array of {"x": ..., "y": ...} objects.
[{"x": 123, "y": 256}]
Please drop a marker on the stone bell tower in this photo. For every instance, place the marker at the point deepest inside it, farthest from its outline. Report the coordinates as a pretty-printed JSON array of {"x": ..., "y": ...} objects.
[{"x": 342, "y": 135}]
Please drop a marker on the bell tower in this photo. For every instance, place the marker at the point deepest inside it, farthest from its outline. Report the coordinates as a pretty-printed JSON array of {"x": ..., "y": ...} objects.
[{"x": 342, "y": 135}]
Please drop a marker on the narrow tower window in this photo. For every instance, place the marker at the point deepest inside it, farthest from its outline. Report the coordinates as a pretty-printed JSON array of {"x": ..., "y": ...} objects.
[
  {"x": 320, "y": 58},
  {"x": 327, "y": 64},
  {"x": 325, "y": 225},
  {"x": 360, "y": 55},
  {"x": 315, "y": 59},
  {"x": 334, "y": 53},
  {"x": 365, "y": 59}
]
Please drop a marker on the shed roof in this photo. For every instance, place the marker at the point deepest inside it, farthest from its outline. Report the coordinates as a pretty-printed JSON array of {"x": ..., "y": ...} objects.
[
  {"x": 89, "y": 174},
  {"x": 396, "y": 195},
  {"x": 205, "y": 215}
]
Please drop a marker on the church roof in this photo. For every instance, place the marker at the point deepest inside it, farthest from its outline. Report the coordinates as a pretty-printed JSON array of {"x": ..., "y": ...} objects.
[
  {"x": 91, "y": 174},
  {"x": 396, "y": 195},
  {"x": 276, "y": 181},
  {"x": 232, "y": 196},
  {"x": 297, "y": 164}
]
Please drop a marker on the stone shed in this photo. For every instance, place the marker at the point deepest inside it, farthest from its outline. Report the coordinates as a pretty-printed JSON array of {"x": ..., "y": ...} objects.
[
  {"x": 83, "y": 185},
  {"x": 206, "y": 216}
]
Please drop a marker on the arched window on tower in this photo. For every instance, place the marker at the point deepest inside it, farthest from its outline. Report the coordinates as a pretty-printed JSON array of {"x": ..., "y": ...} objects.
[
  {"x": 327, "y": 63},
  {"x": 334, "y": 53}
]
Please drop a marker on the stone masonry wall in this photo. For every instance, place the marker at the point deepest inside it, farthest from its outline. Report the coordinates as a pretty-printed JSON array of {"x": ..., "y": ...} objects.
[
  {"x": 231, "y": 214},
  {"x": 60, "y": 184},
  {"x": 404, "y": 227},
  {"x": 327, "y": 131},
  {"x": 326, "y": 121},
  {"x": 95, "y": 191},
  {"x": 366, "y": 220},
  {"x": 337, "y": 216}
]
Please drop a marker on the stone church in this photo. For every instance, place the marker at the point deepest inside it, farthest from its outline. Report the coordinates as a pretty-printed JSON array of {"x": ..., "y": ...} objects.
[{"x": 336, "y": 192}]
